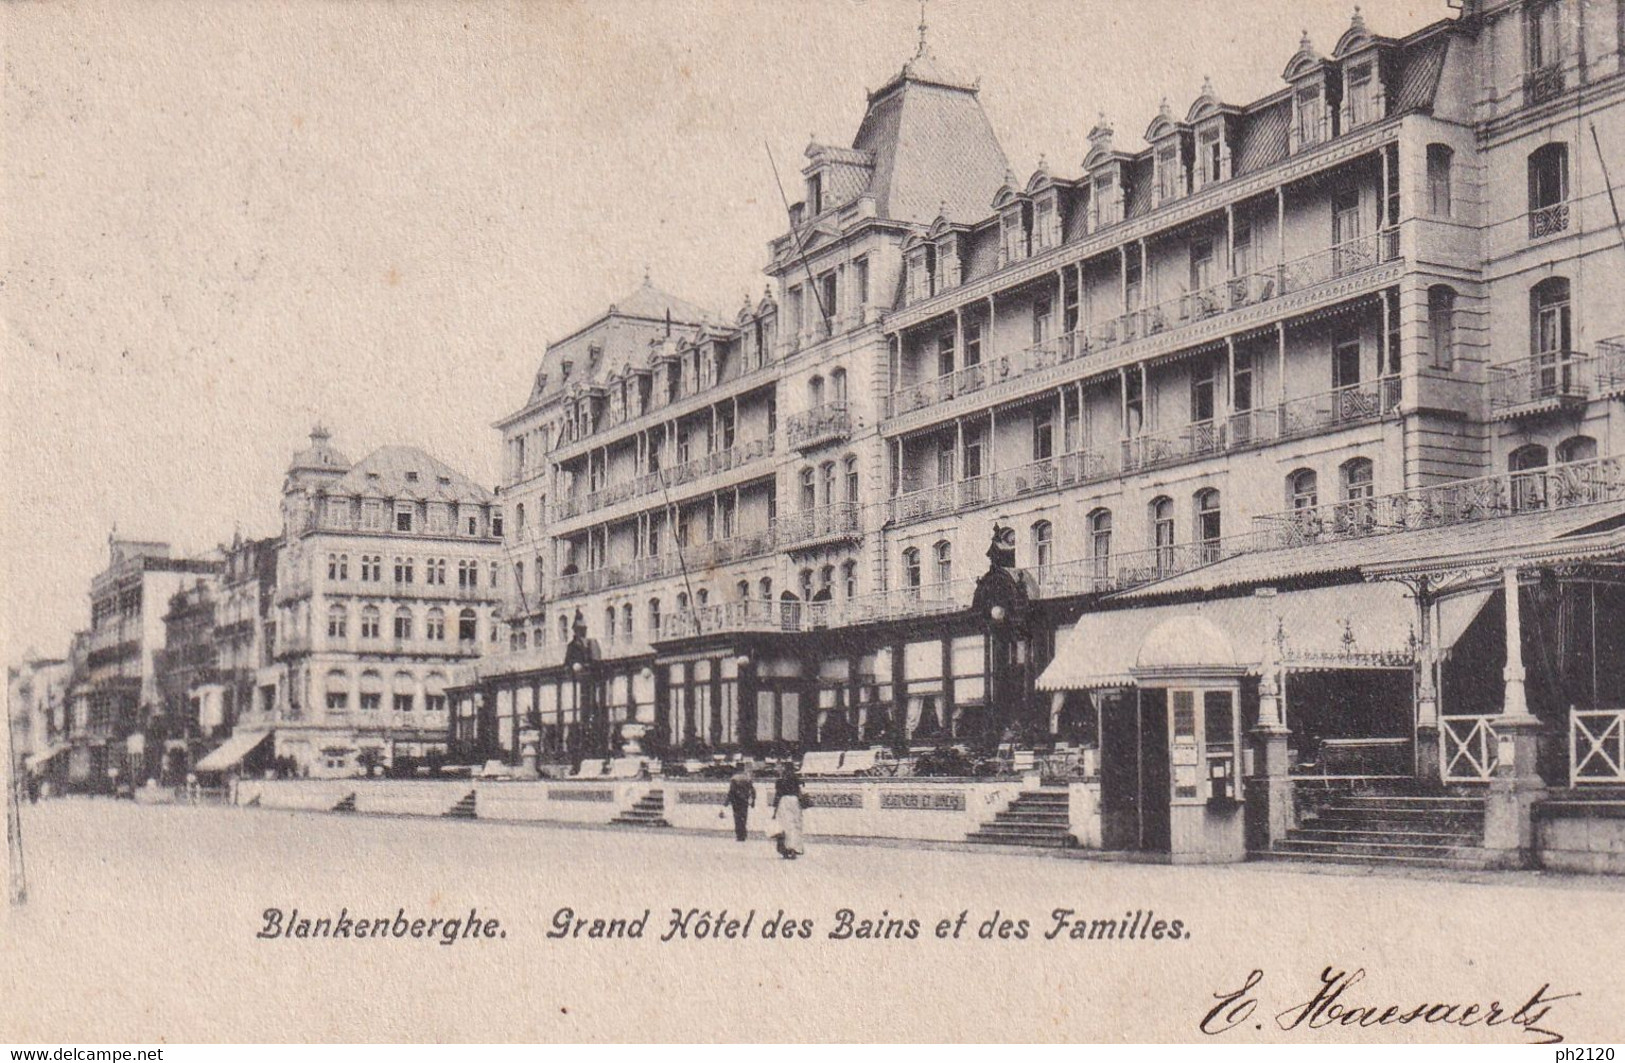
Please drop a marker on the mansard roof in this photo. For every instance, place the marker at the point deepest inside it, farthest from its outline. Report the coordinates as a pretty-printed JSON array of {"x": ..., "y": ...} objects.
[{"x": 406, "y": 472}]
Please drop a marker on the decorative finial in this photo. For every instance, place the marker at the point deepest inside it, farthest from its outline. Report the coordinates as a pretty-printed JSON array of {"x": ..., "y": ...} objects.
[
  {"x": 1207, "y": 85},
  {"x": 920, "y": 51},
  {"x": 1043, "y": 161},
  {"x": 1303, "y": 42},
  {"x": 646, "y": 281}
]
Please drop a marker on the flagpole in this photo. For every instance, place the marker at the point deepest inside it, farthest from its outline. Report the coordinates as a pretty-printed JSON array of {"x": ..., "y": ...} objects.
[{"x": 16, "y": 880}]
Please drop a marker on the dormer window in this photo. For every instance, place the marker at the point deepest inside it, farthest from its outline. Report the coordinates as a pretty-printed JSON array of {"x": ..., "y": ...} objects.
[
  {"x": 922, "y": 272},
  {"x": 1169, "y": 183},
  {"x": 1310, "y": 118},
  {"x": 1046, "y": 223},
  {"x": 403, "y": 516},
  {"x": 1016, "y": 231},
  {"x": 1357, "y": 92},
  {"x": 815, "y": 194},
  {"x": 372, "y": 515},
  {"x": 1210, "y": 156},
  {"x": 411, "y": 477},
  {"x": 1107, "y": 200}
]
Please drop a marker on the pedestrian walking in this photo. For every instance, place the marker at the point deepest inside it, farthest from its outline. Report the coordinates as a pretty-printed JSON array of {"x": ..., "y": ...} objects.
[
  {"x": 788, "y": 801},
  {"x": 741, "y": 799}
]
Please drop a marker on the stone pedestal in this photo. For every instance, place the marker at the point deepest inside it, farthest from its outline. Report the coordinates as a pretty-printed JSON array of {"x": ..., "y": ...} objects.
[
  {"x": 1427, "y": 755},
  {"x": 1274, "y": 781},
  {"x": 1514, "y": 789},
  {"x": 632, "y": 738},
  {"x": 529, "y": 743}
]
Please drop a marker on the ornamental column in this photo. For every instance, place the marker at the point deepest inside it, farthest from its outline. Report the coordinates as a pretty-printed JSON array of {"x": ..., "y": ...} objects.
[
  {"x": 1272, "y": 779},
  {"x": 1427, "y": 689},
  {"x": 1515, "y": 786}
]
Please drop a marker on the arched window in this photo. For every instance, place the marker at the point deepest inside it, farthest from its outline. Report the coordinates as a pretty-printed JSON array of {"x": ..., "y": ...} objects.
[
  {"x": 538, "y": 635},
  {"x": 743, "y": 589},
  {"x": 837, "y": 384},
  {"x": 809, "y": 489},
  {"x": 1359, "y": 481},
  {"x": 1209, "y": 525},
  {"x": 702, "y": 597},
  {"x": 826, "y": 577},
  {"x": 1100, "y": 544},
  {"x": 852, "y": 478},
  {"x": 943, "y": 554},
  {"x": 1528, "y": 467},
  {"x": 682, "y": 602},
  {"x": 1357, "y": 485},
  {"x": 1043, "y": 543},
  {"x": 1442, "y": 325},
  {"x": 434, "y": 627},
  {"x": 609, "y": 623},
  {"x": 564, "y": 629},
  {"x": 403, "y": 623},
  {"x": 1162, "y": 533},
  {"x": 1550, "y": 326},
  {"x": 911, "y": 568},
  {"x": 1303, "y": 489},
  {"x": 765, "y": 588},
  {"x": 626, "y": 619},
  {"x": 337, "y": 690},
  {"x": 1548, "y": 190},
  {"x": 805, "y": 578},
  {"x": 654, "y": 618},
  {"x": 849, "y": 578},
  {"x": 1440, "y": 159},
  {"x": 519, "y": 519},
  {"x": 371, "y": 622},
  {"x": 337, "y": 621},
  {"x": 815, "y": 392},
  {"x": 468, "y": 626},
  {"x": 828, "y": 482},
  {"x": 1576, "y": 448}
]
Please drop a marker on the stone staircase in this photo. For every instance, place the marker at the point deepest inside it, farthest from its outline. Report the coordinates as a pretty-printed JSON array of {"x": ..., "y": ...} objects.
[
  {"x": 346, "y": 803},
  {"x": 649, "y": 811},
  {"x": 465, "y": 808},
  {"x": 1399, "y": 827},
  {"x": 1037, "y": 818}
]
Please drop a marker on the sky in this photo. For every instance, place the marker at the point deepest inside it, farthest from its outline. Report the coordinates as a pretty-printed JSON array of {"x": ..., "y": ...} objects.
[{"x": 223, "y": 223}]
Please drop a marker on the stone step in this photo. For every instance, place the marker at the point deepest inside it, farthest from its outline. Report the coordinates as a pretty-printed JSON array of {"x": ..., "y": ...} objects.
[
  {"x": 1391, "y": 847},
  {"x": 1046, "y": 841},
  {"x": 1388, "y": 821},
  {"x": 1310, "y": 832},
  {"x": 465, "y": 808},
  {"x": 1026, "y": 815},
  {"x": 1466, "y": 860},
  {"x": 1414, "y": 801}
]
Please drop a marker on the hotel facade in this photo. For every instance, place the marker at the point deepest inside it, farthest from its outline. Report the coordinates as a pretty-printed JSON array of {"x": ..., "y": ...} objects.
[{"x": 1302, "y": 416}]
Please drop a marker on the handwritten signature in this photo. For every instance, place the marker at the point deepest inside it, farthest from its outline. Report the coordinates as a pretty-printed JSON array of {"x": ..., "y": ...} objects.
[{"x": 1332, "y": 1004}]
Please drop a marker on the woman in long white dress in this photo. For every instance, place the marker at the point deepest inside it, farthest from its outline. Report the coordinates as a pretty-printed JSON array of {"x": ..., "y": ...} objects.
[{"x": 787, "y": 812}]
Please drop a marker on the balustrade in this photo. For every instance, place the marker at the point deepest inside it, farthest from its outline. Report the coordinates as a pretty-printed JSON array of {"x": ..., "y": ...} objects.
[{"x": 1539, "y": 382}]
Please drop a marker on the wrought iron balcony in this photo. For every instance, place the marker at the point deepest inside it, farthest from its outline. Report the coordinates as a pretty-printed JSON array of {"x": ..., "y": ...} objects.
[
  {"x": 836, "y": 522},
  {"x": 1544, "y": 84},
  {"x": 1033, "y": 478},
  {"x": 829, "y": 423},
  {"x": 678, "y": 475},
  {"x": 1561, "y": 486},
  {"x": 1548, "y": 221},
  {"x": 1549, "y": 380}
]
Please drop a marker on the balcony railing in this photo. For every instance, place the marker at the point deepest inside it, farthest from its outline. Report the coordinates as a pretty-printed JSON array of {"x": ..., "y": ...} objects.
[
  {"x": 699, "y": 557},
  {"x": 1343, "y": 260},
  {"x": 1544, "y": 381},
  {"x": 1543, "y": 84},
  {"x": 825, "y": 524},
  {"x": 1548, "y": 221},
  {"x": 829, "y": 423},
  {"x": 685, "y": 472},
  {"x": 798, "y": 616},
  {"x": 1562, "y": 486},
  {"x": 1609, "y": 369}
]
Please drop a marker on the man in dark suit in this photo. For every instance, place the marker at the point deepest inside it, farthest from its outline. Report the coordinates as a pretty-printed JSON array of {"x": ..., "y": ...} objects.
[{"x": 741, "y": 796}]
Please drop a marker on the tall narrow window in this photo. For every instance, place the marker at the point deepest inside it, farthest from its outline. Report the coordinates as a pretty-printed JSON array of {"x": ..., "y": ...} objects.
[
  {"x": 945, "y": 354},
  {"x": 1043, "y": 543},
  {"x": 943, "y": 552},
  {"x": 1209, "y": 528},
  {"x": 1442, "y": 325},
  {"x": 1346, "y": 364},
  {"x": 1100, "y": 543},
  {"x": 1162, "y": 533},
  {"x": 809, "y": 489},
  {"x": 1303, "y": 490},
  {"x": 973, "y": 343},
  {"x": 1528, "y": 467},
  {"x": 911, "y": 568},
  {"x": 1550, "y": 324},
  {"x": 852, "y": 479},
  {"x": 1358, "y": 479},
  {"x": 1548, "y": 190},
  {"x": 1440, "y": 161},
  {"x": 1043, "y": 435}
]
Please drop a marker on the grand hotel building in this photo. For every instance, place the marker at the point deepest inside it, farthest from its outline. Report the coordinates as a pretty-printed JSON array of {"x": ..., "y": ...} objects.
[{"x": 1321, "y": 366}]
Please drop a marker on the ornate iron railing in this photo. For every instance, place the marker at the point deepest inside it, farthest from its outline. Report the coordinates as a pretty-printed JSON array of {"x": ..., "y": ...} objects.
[
  {"x": 1563, "y": 486},
  {"x": 827, "y": 423},
  {"x": 1544, "y": 84},
  {"x": 1548, "y": 221},
  {"x": 838, "y": 520},
  {"x": 686, "y": 472},
  {"x": 1540, "y": 381}
]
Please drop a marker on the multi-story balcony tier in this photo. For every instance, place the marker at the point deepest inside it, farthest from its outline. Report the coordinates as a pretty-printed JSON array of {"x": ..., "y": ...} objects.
[
  {"x": 1305, "y": 162},
  {"x": 1296, "y": 418},
  {"x": 1458, "y": 502},
  {"x": 1332, "y": 275},
  {"x": 825, "y": 525},
  {"x": 699, "y": 472},
  {"x": 699, "y": 557},
  {"x": 296, "y": 645}
]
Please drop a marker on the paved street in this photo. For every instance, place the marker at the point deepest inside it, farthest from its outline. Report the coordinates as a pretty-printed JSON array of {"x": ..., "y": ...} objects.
[{"x": 151, "y": 913}]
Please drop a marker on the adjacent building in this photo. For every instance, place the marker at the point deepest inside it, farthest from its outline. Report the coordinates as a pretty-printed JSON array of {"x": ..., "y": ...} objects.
[
  {"x": 388, "y": 574},
  {"x": 37, "y": 712}
]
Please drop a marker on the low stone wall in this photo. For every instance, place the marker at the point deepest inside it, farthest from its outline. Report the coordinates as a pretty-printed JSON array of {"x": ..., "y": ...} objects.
[
  {"x": 919, "y": 809},
  {"x": 1581, "y": 834}
]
